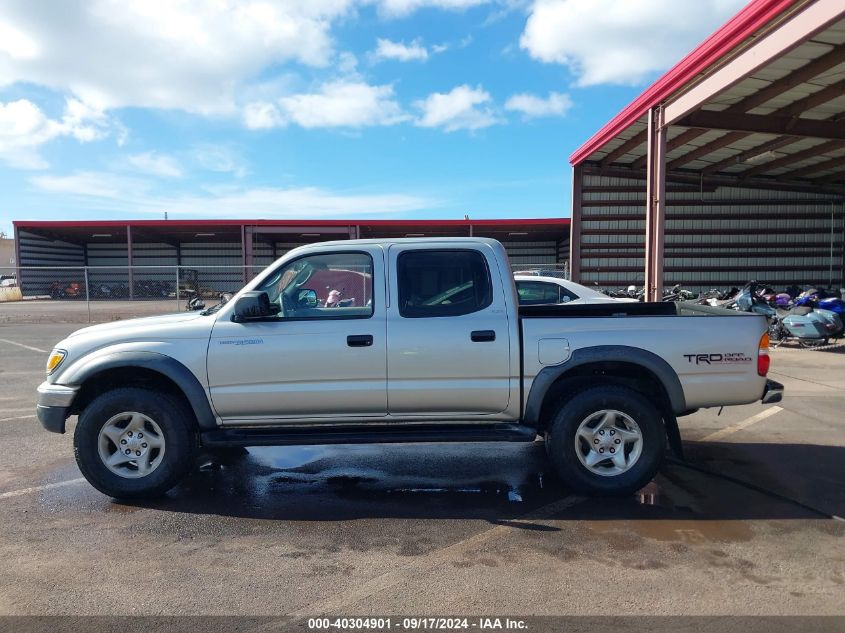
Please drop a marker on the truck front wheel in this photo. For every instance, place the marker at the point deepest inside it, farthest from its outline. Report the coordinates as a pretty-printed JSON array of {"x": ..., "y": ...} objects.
[
  {"x": 606, "y": 441},
  {"x": 135, "y": 442}
]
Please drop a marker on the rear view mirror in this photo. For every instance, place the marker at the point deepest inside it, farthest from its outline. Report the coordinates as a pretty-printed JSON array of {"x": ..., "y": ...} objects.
[
  {"x": 254, "y": 304},
  {"x": 306, "y": 298}
]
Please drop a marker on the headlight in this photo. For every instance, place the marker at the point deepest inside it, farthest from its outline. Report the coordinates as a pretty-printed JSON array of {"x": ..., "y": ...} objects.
[{"x": 56, "y": 358}]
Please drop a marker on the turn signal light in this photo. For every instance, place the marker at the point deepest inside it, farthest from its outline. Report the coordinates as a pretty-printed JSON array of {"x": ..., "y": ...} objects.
[
  {"x": 763, "y": 360},
  {"x": 56, "y": 358}
]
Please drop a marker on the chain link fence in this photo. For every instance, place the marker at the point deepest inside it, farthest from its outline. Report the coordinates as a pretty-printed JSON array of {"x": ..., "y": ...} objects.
[
  {"x": 106, "y": 293},
  {"x": 114, "y": 292}
]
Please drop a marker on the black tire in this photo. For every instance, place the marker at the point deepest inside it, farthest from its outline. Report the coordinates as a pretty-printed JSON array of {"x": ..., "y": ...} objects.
[
  {"x": 561, "y": 446},
  {"x": 171, "y": 414}
]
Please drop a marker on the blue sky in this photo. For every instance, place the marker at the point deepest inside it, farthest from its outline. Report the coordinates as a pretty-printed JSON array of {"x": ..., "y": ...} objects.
[{"x": 322, "y": 109}]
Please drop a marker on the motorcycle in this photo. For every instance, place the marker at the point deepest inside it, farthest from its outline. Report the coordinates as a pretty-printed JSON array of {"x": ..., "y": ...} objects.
[
  {"x": 801, "y": 324},
  {"x": 676, "y": 293},
  {"x": 829, "y": 308},
  {"x": 66, "y": 290}
]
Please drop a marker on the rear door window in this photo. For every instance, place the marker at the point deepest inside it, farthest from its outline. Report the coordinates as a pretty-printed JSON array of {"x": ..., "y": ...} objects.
[
  {"x": 533, "y": 293},
  {"x": 438, "y": 283}
]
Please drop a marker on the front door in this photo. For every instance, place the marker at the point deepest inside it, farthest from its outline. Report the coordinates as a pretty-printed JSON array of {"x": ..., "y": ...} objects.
[{"x": 323, "y": 356}]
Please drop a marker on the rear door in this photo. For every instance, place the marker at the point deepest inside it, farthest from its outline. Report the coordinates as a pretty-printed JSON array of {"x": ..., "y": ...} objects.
[{"x": 448, "y": 334}]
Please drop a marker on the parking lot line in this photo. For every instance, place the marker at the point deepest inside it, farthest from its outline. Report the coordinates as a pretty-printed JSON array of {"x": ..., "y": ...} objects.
[
  {"x": 26, "y": 491},
  {"x": 733, "y": 428},
  {"x": 29, "y": 347},
  {"x": 18, "y": 417}
]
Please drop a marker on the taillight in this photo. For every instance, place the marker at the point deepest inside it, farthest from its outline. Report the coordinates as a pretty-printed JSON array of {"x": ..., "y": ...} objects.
[{"x": 763, "y": 359}]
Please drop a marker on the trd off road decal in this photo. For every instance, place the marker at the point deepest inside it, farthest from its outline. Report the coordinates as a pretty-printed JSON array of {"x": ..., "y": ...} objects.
[{"x": 729, "y": 358}]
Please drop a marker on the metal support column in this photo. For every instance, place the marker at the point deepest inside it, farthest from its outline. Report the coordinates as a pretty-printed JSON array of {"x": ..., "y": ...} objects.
[
  {"x": 18, "y": 277},
  {"x": 178, "y": 264},
  {"x": 575, "y": 225},
  {"x": 129, "y": 261},
  {"x": 87, "y": 293},
  {"x": 655, "y": 218},
  {"x": 248, "y": 259}
]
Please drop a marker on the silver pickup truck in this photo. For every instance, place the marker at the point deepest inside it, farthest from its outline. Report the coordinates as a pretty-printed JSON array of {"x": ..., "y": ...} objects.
[{"x": 407, "y": 340}]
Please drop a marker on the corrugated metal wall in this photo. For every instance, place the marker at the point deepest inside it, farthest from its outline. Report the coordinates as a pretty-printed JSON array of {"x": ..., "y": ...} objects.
[
  {"x": 44, "y": 253},
  {"x": 216, "y": 266},
  {"x": 714, "y": 238},
  {"x": 532, "y": 254}
]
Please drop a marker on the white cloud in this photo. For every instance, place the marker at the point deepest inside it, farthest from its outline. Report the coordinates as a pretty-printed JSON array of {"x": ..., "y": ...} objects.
[
  {"x": 191, "y": 55},
  {"x": 105, "y": 190},
  {"x": 346, "y": 62},
  {"x": 262, "y": 115},
  {"x": 619, "y": 41},
  {"x": 344, "y": 104},
  {"x": 336, "y": 104},
  {"x": 24, "y": 128},
  {"x": 387, "y": 49},
  {"x": 89, "y": 184},
  {"x": 401, "y": 8},
  {"x": 156, "y": 164},
  {"x": 532, "y": 106},
  {"x": 463, "y": 108},
  {"x": 219, "y": 158}
]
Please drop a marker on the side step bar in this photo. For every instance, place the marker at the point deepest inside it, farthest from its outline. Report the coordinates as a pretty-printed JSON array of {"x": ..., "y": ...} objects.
[{"x": 368, "y": 434}]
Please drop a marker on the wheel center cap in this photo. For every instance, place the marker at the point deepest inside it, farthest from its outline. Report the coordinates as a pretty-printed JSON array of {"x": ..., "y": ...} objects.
[{"x": 134, "y": 443}]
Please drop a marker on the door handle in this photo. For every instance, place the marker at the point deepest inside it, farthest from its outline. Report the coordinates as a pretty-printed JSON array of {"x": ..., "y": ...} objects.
[
  {"x": 481, "y": 336},
  {"x": 359, "y": 340}
]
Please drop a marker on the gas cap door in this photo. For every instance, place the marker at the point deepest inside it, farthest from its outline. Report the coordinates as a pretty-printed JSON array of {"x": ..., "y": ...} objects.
[{"x": 553, "y": 351}]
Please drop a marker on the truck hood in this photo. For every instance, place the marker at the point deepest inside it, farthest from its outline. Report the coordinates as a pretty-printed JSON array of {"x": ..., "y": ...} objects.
[
  {"x": 182, "y": 336},
  {"x": 135, "y": 324}
]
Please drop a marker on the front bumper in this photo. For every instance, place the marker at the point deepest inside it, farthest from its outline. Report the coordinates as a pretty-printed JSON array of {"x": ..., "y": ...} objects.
[
  {"x": 53, "y": 406},
  {"x": 772, "y": 393}
]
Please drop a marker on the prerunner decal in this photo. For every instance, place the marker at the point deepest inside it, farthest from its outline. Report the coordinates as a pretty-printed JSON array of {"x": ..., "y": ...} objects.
[{"x": 241, "y": 341}]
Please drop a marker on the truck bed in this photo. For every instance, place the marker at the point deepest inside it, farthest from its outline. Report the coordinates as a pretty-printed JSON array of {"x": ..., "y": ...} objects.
[
  {"x": 715, "y": 361},
  {"x": 624, "y": 309}
]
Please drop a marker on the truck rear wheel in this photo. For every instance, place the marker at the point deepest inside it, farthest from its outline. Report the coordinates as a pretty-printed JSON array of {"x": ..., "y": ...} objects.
[
  {"x": 135, "y": 442},
  {"x": 606, "y": 441}
]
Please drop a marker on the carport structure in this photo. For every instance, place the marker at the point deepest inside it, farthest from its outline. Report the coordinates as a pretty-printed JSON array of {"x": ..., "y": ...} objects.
[{"x": 730, "y": 166}]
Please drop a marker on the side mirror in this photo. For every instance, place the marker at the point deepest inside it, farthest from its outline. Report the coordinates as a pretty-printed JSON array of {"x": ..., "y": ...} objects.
[
  {"x": 306, "y": 298},
  {"x": 225, "y": 297},
  {"x": 253, "y": 305}
]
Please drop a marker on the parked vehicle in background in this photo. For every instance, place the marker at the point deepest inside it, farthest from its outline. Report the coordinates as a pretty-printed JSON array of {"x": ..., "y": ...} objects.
[
  {"x": 539, "y": 290},
  {"x": 8, "y": 281},
  {"x": 542, "y": 272},
  {"x": 424, "y": 342}
]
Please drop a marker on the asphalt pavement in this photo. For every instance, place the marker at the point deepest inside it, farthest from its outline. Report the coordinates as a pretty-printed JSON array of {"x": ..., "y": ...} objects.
[{"x": 749, "y": 525}]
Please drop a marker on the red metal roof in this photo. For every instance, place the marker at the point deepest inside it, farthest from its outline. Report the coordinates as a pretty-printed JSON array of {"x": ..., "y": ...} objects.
[
  {"x": 750, "y": 19},
  {"x": 47, "y": 224}
]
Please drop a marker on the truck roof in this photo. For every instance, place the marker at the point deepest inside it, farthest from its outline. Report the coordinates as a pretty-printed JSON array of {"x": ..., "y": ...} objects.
[{"x": 409, "y": 240}]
